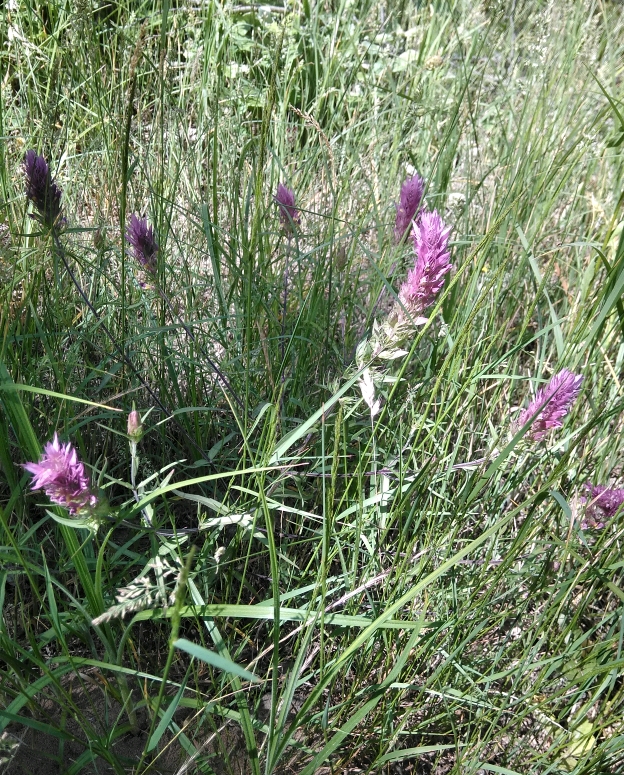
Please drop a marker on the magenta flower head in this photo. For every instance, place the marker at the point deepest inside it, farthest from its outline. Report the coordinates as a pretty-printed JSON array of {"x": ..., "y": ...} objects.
[
  {"x": 426, "y": 279},
  {"x": 602, "y": 504},
  {"x": 62, "y": 476},
  {"x": 550, "y": 405},
  {"x": 288, "y": 213},
  {"x": 141, "y": 237},
  {"x": 411, "y": 198},
  {"x": 41, "y": 189}
]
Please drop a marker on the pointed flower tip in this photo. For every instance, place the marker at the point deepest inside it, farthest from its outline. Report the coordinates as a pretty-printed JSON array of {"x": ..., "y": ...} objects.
[
  {"x": 143, "y": 241},
  {"x": 426, "y": 279},
  {"x": 41, "y": 189},
  {"x": 551, "y": 404},
  {"x": 62, "y": 476},
  {"x": 410, "y": 200},
  {"x": 288, "y": 213}
]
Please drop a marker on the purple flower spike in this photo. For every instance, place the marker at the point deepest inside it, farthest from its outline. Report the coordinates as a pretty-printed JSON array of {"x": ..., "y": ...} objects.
[
  {"x": 62, "y": 476},
  {"x": 602, "y": 504},
  {"x": 141, "y": 237},
  {"x": 551, "y": 404},
  {"x": 426, "y": 279},
  {"x": 41, "y": 189},
  {"x": 411, "y": 197},
  {"x": 288, "y": 213}
]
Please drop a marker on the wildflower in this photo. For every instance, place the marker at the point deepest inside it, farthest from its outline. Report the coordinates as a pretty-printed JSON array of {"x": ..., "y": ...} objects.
[
  {"x": 41, "y": 189},
  {"x": 135, "y": 425},
  {"x": 62, "y": 476},
  {"x": 288, "y": 213},
  {"x": 602, "y": 504},
  {"x": 141, "y": 237},
  {"x": 425, "y": 280},
  {"x": 551, "y": 404},
  {"x": 411, "y": 197}
]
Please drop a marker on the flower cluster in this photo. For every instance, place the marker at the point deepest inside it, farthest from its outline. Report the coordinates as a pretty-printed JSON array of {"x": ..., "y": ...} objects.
[
  {"x": 141, "y": 237},
  {"x": 550, "y": 405},
  {"x": 410, "y": 200},
  {"x": 41, "y": 189},
  {"x": 62, "y": 476},
  {"x": 426, "y": 279},
  {"x": 288, "y": 213}
]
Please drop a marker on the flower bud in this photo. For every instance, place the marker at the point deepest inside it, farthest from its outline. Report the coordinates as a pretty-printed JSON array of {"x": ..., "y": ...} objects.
[{"x": 135, "y": 426}]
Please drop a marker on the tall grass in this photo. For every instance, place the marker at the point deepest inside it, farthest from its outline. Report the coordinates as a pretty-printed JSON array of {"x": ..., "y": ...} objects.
[{"x": 283, "y": 582}]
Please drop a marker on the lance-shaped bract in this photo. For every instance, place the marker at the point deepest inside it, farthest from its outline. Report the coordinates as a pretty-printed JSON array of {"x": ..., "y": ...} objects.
[
  {"x": 551, "y": 404},
  {"x": 602, "y": 504},
  {"x": 141, "y": 237},
  {"x": 62, "y": 476},
  {"x": 410, "y": 200},
  {"x": 41, "y": 189},
  {"x": 424, "y": 281},
  {"x": 288, "y": 213}
]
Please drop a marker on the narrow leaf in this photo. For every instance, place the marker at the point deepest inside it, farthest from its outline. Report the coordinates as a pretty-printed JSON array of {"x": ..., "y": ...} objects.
[{"x": 214, "y": 659}]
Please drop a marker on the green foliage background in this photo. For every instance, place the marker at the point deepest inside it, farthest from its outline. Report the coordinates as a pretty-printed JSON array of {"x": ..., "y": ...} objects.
[{"x": 413, "y": 592}]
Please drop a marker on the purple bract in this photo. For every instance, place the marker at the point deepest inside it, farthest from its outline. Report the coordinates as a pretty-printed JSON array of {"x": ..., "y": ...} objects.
[
  {"x": 410, "y": 200},
  {"x": 551, "y": 404},
  {"x": 424, "y": 281},
  {"x": 602, "y": 504},
  {"x": 141, "y": 237},
  {"x": 288, "y": 213},
  {"x": 41, "y": 189},
  {"x": 62, "y": 476}
]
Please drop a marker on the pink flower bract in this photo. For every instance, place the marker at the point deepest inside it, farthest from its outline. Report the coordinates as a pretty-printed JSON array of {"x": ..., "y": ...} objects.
[
  {"x": 62, "y": 476},
  {"x": 425, "y": 280},
  {"x": 411, "y": 197},
  {"x": 551, "y": 404}
]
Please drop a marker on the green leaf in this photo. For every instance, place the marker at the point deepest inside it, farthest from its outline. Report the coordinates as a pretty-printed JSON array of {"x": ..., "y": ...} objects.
[
  {"x": 33, "y": 724},
  {"x": 267, "y": 612},
  {"x": 166, "y": 717},
  {"x": 214, "y": 659},
  {"x": 408, "y": 753}
]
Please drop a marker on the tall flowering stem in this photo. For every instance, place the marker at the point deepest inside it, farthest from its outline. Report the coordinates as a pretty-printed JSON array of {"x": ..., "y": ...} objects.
[
  {"x": 551, "y": 404},
  {"x": 426, "y": 279},
  {"x": 46, "y": 197},
  {"x": 145, "y": 247},
  {"x": 41, "y": 189},
  {"x": 290, "y": 218},
  {"x": 62, "y": 476},
  {"x": 410, "y": 200}
]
